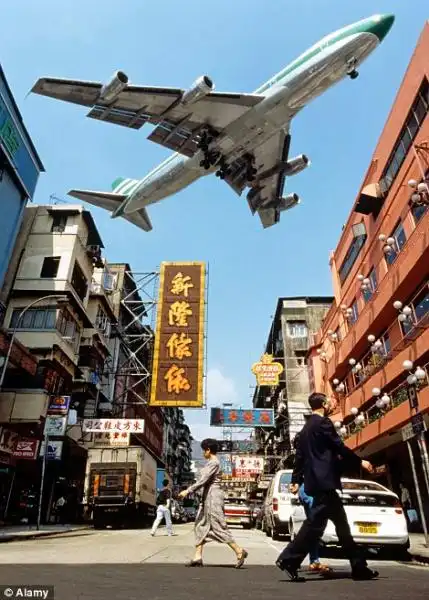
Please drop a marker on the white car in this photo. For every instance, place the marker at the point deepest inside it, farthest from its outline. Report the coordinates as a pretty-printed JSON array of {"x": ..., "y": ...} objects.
[{"x": 374, "y": 513}]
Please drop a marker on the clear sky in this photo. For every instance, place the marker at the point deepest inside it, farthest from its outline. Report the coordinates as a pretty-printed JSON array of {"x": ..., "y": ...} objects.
[{"x": 240, "y": 44}]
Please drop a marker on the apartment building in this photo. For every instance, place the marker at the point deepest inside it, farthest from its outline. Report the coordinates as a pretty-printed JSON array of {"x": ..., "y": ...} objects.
[
  {"x": 288, "y": 342},
  {"x": 372, "y": 351}
]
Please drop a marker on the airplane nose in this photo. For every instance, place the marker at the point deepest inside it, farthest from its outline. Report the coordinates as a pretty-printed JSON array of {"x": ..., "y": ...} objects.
[{"x": 381, "y": 25}]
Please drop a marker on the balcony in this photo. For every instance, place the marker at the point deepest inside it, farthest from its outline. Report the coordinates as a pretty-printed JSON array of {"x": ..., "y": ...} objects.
[
  {"x": 23, "y": 406},
  {"x": 410, "y": 264}
]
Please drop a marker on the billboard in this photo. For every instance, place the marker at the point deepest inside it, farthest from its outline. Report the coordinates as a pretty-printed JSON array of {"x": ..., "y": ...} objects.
[
  {"x": 247, "y": 467},
  {"x": 252, "y": 417},
  {"x": 26, "y": 449},
  {"x": 113, "y": 425},
  {"x": 267, "y": 371},
  {"x": 59, "y": 405},
  {"x": 178, "y": 359},
  {"x": 107, "y": 438}
]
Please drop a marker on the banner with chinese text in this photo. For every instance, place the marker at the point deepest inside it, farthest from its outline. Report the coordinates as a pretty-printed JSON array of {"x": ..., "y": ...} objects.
[
  {"x": 252, "y": 417},
  {"x": 247, "y": 467},
  {"x": 113, "y": 425},
  {"x": 178, "y": 361}
]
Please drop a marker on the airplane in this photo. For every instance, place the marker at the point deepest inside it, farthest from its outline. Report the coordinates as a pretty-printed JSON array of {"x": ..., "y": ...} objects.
[{"x": 243, "y": 138}]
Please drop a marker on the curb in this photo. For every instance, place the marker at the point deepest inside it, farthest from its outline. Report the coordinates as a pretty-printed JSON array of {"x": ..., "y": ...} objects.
[
  {"x": 14, "y": 537},
  {"x": 420, "y": 560}
]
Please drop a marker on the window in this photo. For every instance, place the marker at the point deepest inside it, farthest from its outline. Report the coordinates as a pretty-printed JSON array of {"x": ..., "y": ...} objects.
[
  {"x": 387, "y": 346},
  {"x": 300, "y": 357},
  {"x": 284, "y": 482},
  {"x": 418, "y": 211},
  {"x": 34, "y": 318},
  {"x": 409, "y": 131},
  {"x": 420, "y": 308},
  {"x": 79, "y": 281},
  {"x": 351, "y": 256},
  {"x": 400, "y": 239},
  {"x": 50, "y": 267},
  {"x": 373, "y": 283},
  {"x": 102, "y": 322},
  {"x": 338, "y": 334},
  {"x": 297, "y": 329},
  {"x": 355, "y": 313},
  {"x": 59, "y": 223}
]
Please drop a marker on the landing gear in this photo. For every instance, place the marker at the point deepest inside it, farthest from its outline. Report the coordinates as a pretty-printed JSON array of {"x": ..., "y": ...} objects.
[
  {"x": 210, "y": 156},
  {"x": 351, "y": 68}
]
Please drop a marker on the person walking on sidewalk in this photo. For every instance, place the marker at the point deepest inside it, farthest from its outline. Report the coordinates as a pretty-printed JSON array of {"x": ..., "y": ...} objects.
[
  {"x": 210, "y": 524},
  {"x": 317, "y": 466},
  {"x": 307, "y": 501},
  {"x": 163, "y": 510}
]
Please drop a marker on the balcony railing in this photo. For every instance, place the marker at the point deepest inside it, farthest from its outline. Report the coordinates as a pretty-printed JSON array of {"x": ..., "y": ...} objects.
[
  {"x": 398, "y": 396},
  {"x": 418, "y": 233},
  {"x": 405, "y": 333}
]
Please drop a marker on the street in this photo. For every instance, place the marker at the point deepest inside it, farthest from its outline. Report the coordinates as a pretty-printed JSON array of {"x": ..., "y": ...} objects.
[{"x": 124, "y": 564}]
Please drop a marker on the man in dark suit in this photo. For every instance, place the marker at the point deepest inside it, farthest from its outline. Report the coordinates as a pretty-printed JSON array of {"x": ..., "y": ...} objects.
[{"x": 319, "y": 455}]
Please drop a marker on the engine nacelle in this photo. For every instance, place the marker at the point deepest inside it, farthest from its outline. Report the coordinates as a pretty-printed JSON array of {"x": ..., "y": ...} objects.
[
  {"x": 296, "y": 165},
  {"x": 111, "y": 90},
  {"x": 200, "y": 88},
  {"x": 288, "y": 202}
]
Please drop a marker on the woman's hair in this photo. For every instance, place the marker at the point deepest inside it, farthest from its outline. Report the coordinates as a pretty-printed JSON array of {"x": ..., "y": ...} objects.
[
  {"x": 165, "y": 482},
  {"x": 210, "y": 444}
]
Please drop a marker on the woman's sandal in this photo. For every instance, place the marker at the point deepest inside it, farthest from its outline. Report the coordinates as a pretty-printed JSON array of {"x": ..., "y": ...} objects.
[
  {"x": 194, "y": 563},
  {"x": 320, "y": 568},
  {"x": 240, "y": 561}
]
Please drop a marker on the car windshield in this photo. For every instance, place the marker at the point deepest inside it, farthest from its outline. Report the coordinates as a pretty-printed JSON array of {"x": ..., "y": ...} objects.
[
  {"x": 284, "y": 482},
  {"x": 362, "y": 485},
  {"x": 368, "y": 499}
]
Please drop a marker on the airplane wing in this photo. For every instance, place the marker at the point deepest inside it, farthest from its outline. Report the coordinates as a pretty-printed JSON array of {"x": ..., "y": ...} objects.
[
  {"x": 177, "y": 125},
  {"x": 269, "y": 179}
]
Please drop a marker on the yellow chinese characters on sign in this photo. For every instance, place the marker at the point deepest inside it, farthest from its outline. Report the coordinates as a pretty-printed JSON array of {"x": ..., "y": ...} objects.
[
  {"x": 267, "y": 371},
  {"x": 178, "y": 362}
]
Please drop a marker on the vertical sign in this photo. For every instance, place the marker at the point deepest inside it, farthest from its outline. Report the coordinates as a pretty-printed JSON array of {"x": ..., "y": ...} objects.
[{"x": 178, "y": 361}]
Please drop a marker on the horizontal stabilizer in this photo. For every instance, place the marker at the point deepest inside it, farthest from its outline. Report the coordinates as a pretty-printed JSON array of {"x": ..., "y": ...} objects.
[
  {"x": 106, "y": 200},
  {"x": 139, "y": 218}
]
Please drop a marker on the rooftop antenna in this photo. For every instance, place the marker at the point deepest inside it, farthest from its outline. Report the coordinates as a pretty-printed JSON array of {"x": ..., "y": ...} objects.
[{"x": 53, "y": 199}]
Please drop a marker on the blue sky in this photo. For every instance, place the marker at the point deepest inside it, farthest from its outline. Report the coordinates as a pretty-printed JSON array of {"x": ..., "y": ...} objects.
[{"x": 239, "y": 44}]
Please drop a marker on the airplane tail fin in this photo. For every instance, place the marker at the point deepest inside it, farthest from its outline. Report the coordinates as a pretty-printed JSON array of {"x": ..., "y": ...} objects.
[{"x": 112, "y": 201}]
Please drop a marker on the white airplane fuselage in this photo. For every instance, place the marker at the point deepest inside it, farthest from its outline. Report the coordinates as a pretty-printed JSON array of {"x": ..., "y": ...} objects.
[{"x": 318, "y": 69}]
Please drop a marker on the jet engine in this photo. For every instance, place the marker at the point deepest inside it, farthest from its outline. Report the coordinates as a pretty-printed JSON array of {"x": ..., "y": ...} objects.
[
  {"x": 200, "y": 88},
  {"x": 288, "y": 202},
  {"x": 111, "y": 90},
  {"x": 296, "y": 165}
]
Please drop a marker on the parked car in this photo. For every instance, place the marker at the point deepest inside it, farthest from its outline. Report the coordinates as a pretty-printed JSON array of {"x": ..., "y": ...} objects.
[
  {"x": 278, "y": 505},
  {"x": 238, "y": 511},
  {"x": 374, "y": 513}
]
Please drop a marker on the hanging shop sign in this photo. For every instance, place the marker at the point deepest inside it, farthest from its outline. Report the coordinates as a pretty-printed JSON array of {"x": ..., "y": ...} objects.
[
  {"x": 254, "y": 417},
  {"x": 247, "y": 466},
  {"x": 178, "y": 361},
  {"x": 113, "y": 425},
  {"x": 55, "y": 426},
  {"x": 26, "y": 449},
  {"x": 8, "y": 441},
  {"x": 55, "y": 449},
  {"x": 225, "y": 461},
  {"x": 111, "y": 439},
  {"x": 267, "y": 371},
  {"x": 59, "y": 405}
]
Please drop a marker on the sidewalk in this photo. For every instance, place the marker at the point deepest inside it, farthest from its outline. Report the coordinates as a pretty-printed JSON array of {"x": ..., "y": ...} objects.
[
  {"x": 25, "y": 532},
  {"x": 418, "y": 550}
]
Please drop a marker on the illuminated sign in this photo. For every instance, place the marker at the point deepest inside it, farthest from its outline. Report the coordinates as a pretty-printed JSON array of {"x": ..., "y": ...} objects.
[
  {"x": 253, "y": 417},
  {"x": 267, "y": 371},
  {"x": 178, "y": 361}
]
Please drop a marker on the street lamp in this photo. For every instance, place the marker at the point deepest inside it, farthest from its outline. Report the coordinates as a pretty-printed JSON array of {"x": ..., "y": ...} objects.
[{"x": 17, "y": 324}]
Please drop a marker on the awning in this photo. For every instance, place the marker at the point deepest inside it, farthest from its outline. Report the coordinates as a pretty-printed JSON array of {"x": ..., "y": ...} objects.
[{"x": 370, "y": 200}]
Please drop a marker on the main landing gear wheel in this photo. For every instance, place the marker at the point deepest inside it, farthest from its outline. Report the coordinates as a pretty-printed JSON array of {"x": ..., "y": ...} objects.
[{"x": 354, "y": 74}]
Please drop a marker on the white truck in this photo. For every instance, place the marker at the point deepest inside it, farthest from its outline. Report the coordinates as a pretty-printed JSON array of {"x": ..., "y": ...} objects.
[{"x": 120, "y": 486}]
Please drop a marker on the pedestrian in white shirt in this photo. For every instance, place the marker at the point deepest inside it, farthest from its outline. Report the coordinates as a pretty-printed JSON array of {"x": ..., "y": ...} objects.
[{"x": 164, "y": 509}]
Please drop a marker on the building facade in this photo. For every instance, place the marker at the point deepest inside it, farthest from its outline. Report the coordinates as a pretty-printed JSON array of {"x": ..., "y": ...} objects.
[
  {"x": 288, "y": 342},
  {"x": 372, "y": 351},
  {"x": 20, "y": 167}
]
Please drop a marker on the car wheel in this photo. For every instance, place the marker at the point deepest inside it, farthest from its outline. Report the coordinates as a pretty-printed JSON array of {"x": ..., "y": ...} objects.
[{"x": 275, "y": 535}]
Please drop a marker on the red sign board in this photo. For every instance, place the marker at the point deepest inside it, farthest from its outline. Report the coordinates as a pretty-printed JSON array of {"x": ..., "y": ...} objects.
[{"x": 26, "y": 448}]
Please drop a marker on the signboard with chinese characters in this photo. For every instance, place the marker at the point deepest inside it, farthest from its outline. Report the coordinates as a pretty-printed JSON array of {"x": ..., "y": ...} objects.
[
  {"x": 267, "y": 371},
  {"x": 55, "y": 425},
  {"x": 113, "y": 425},
  {"x": 247, "y": 466},
  {"x": 26, "y": 449},
  {"x": 178, "y": 361},
  {"x": 253, "y": 417},
  {"x": 225, "y": 464},
  {"x": 107, "y": 438},
  {"x": 55, "y": 449},
  {"x": 59, "y": 405}
]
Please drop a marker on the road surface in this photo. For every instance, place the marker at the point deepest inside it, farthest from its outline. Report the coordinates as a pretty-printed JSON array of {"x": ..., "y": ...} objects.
[{"x": 128, "y": 565}]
